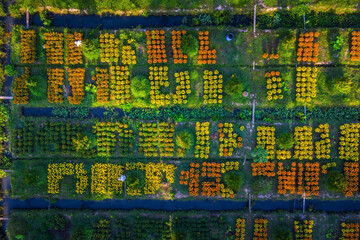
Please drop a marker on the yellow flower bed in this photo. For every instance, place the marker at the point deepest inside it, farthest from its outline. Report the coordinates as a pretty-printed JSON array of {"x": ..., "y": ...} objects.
[
  {"x": 202, "y": 148},
  {"x": 322, "y": 147},
  {"x": 73, "y": 52},
  {"x": 128, "y": 56},
  {"x": 306, "y": 83},
  {"x": 21, "y": 90},
  {"x": 57, "y": 171},
  {"x": 213, "y": 87},
  {"x": 28, "y": 46},
  {"x": 229, "y": 140},
  {"x": 266, "y": 139},
  {"x": 304, "y": 143},
  {"x": 182, "y": 88},
  {"x": 104, "y": 178},
  {"x": 55, "y": 83},
  {"x": 54, "y": 46},
  {"x": 158, "y": 78},
  {"x": 109, "y": 48},
  {"x": 120, "y": 84},
  {"x": 349, "y": 142}
]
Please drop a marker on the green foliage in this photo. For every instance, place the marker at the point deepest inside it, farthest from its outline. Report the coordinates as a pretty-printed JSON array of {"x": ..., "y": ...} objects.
[
  {"x": 282, "y": 233},
  {"x": 140, "y": 87},
  {"x": 301, "y": 9},
  {"x": 262, "y": 185},
  {"x": 185, "y": 139},
  {"x": 58, "y": 222},
  {"x": 4, "y": 115},
  {"x": 190, "y": 45},
  {"x": 81, "y": 142},
  {"x": 14, "y": 10},
  {"x": 37, "y": 87},
  {"x": 91, "y": 49},
  {"x": 45, "y": 18},
  {"x": 285, "y": 141},
  {"x": 31, "y": 177},
  {"x": 233, "y": 180},
  {"x": 338, "y": 43},
  {"x": 222, "y": 17},
  {"x": 135, "y": 179},
  {"x": 234, "y": 88},
  {"x": 2, "y": 173},
  {"x": 343, "y": 85},
  {"x": 10, "y": 70},
  {"x": 259, "y": 154},
  {"x": 336, "y": 181}
]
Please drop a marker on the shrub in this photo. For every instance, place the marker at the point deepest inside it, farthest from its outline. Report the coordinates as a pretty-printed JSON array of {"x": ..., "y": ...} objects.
[
  {"x": 185, "y": 139},
  {"x": 45, "y": 18},
  {"x": 234, "y": 88},
  {"x": 140, "y": 87},
  {"x": 336, "y": 181},
  {"x": 285, "y": 141},
  {"x": 338, "y": 43},
  {"x": 14, "y": 10},
  {"x": 10, "y": 70},
  {"x": 91, "y": 49},
  {"x": 135, "y": 179},
  {"x": 259, "y": 154},
  {"x": 190, "y": 45},
  {"x": 342, "y": 85},
  {"x": 262, "y": 185},
  {"x": 233, "y": 180},
  {"x": 282, "y": 234}
]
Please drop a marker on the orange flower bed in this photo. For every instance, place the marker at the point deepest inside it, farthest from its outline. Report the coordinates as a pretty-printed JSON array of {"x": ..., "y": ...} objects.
[
  {"x": 20, "y": 90},
  {"x": 54, "y": 47},
  {"x": 349, "y": 142},
  {"x": 73, "y": 52},
  {"x": 55, "y": 82},
  {"x": 351, "y": 172},
  {"x": 300, "y": 179},
  {"x": 303, "y": 230},
  {"x": 322, "y": 147},
  {"x": 240, "y": 229},
  {"x": 211, "y": 188},
  {"x": 179, "y": 56},
  {"x": 156, "y": 46},
  {"x": 274, "y": 85},
  {"x": 286, "y": 179},
  {"x": 128, "y": 56},
  {"x": 202, "y": 147},
  {"x": 229, "y": 140},
  {"x": 155, "y": 138},
  {"x": 350, "y": 231},
  {"x": 308, "y": 48},
  {"x": 355, "y": 46},
  {"x": 28, "y": 46},
  {"x": 304, "y": 143},
  {"x": 213, "y": 87},
  {"x": 76, "y": 80},
  {"x": 102, "y": 83},
  {"x": 206, "y": 55},
  {"x": 312, "y": 178},
  {"x": 158, "y": 78},
  {"x": 191, "y": 178},
  {"x": 266, "y": 139},
  {"x": 109, "y": 48},
  {"x": 270, "y": 56},
  {"x": 260, "y": 229},
  {"x": 263, "y": 169},
  {"x": 182, "y": 88},
  {"x": 120, "y": 84}
]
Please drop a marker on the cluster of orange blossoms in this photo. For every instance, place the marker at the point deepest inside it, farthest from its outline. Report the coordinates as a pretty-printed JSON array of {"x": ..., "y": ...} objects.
[
  {"x": 349, "y": 141},
  {"x": 155, "y": 138},
  {"x": 274, "y": 85},
  {"x": 260, "y": 229},
  {"x": 271, "y": 56},
  {"x": 179, "y": 56},
  {"x": 206, "y": 55},
  {"x": 156, "y": 46},
  {"x": 266, "y": 139},
  {"x": 109, "y": 48},
  {"x": 211, "y": 188},
  {"x": 355, "y": 46},
  {"x": 263, "y": 169},
  {"x": 55, "y": 82},
  {"x": 28, "y": 46},
  {"x": 304, "y": 143},
  {"x": 202, "y": 147},
  {"x": 73, "y": 51},
  {"x": 102, "y": 83},
  {"x": 76, "y": 80},
  {"x": 351, "y": 172},
  {"x": 120, "y": 84},
  {"x": 191, "y": 178},
  {"x": 183, "y": 87},
  {"x": 228, "y": 139},
  {"x": 308, "y": 49},
  {"x": 303, "y": 231},
  {"x": 213, "y": 87},
  {"x": 20, "y": 90},
  {"x": 286, "y": 179},
  {"x": 158, "y": 78},
  {"x": 240, "y": 229},
  {"x": 54, "y": 47},
  {"x": 350, "y": 231},
  {"x": 312, "y": 178},
  {"x": 322, "y": 147}
]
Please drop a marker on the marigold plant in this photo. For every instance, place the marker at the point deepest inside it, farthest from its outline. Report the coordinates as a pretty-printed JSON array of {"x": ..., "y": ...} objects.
[
  {"x": 322, "y": 147},
  {"x": 240, "y": 229},
  {"x": 156, "y": 51},
  {"x": 76, "y": 80},
  {"x": 263, "y": 169},
  {"x": 349, "y": 141},
  {"x": 158, "y": 78},
  {"x": 206, "y": 55},
  {"x": 304, "y": 143},
  {"x": 73, "y": 51},
  {"x": 303, "y": 230},
  {"x": 260, "y": 229},
  {"x": 120, "y": 84},
  {"x": 128, "y": 56},
  {"x": 266, "y": 139},
  {"x": 28, "y": 46},
  {"x": 202, "y": 147},
  {"x": 229, "y": 140},
  {"x": 54, "y": 46},
  {"x": 350, "y": 231},
  {"x": 351, "y": 172},
  {"x": 101, "y": 79},
  {"x": 182, "y": 88},
  {"x": 179, "y": 56},
  {"x": 306, "y": 83},
  {"x": 109, "y": 48},
  {"x": 308, "y": 48},
  {"x": 55, "y": 83},
  {"x": 213, "y": 87},
  {"x": 105, "y": 178},
  {"x": 355, "y": 46},
  {"x": 21, "y": 90},
  {"x": 274, "y": 85}
]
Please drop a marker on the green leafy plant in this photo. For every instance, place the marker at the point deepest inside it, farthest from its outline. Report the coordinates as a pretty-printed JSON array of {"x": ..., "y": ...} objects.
[
  {"x": 91, "y": 49},
  {"x": 343, "y": 85},
  {"x": 45, "y": 18},
  {"x": 234, "y": 88},
  {"x": 10, "y": 70},
  {"x": 233, "y": 180},
  {"x": 285, "y": 141},
  {"x": 185, "y": 139},
  {"x": 140, "y": 87},
  {"x": 337, "y": 44},
  {"x": 336, "y": 181},
  {"x": 190, "y": 45},
  {"x": 259, "y": 154}
]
